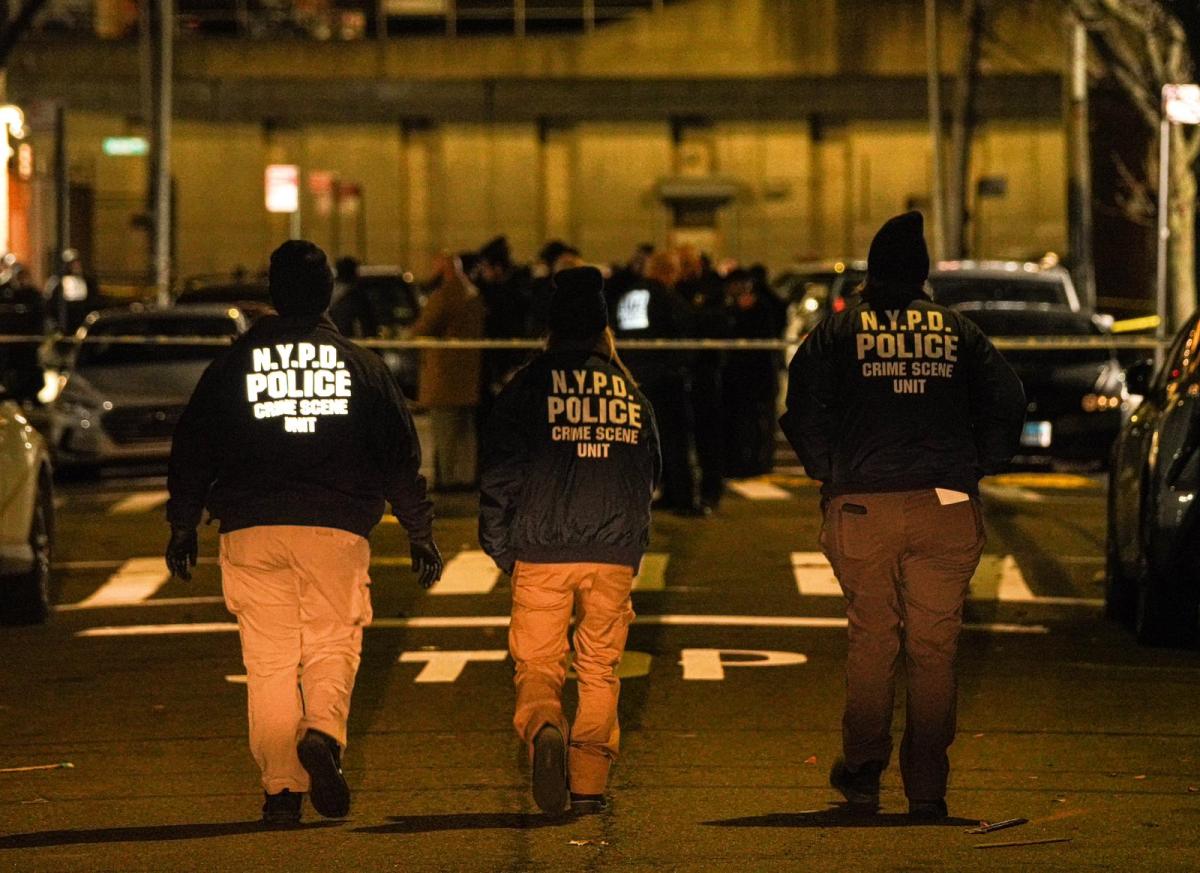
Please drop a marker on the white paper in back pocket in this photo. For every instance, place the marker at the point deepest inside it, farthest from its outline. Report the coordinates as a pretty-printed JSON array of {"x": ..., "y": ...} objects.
[{"x": 946, "y": 497}]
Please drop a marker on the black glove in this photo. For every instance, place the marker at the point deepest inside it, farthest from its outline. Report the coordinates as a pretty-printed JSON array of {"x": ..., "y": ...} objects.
[
  {"x": 182, "y": 550},
  {"x": 426, "y": 562}
]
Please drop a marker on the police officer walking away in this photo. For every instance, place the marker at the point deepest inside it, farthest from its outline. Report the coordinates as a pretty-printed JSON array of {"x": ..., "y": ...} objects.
[
  {"x": 293, "y": 440},
  {"x": 570, "y": 464},
  {"x": 898, "y": 406}
]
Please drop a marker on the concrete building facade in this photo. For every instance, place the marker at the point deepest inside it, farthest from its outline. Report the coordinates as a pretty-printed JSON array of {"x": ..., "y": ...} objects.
[{"x": 764, "y": 130}]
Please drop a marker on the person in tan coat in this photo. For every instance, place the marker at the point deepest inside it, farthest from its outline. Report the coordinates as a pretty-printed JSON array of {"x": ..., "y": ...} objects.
[{"x": 449, "y": 378}]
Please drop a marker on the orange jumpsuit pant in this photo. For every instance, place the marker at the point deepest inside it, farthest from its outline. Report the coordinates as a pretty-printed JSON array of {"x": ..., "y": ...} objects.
[{"x": 545, "y": 596}]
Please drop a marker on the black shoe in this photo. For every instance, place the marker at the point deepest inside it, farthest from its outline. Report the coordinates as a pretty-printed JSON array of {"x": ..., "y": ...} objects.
[
  {"x": 321, "y": 756},
  {"x": 550, "y": 771},
  {"x": 588, "y": 804},
  {"x": 282, "y": 809},
  {"x": 860, "y": 787},
  {"x": 928, "y": 810}
]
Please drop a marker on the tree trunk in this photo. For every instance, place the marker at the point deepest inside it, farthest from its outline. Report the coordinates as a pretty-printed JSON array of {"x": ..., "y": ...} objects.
[{"x": 1181, "y": 258}]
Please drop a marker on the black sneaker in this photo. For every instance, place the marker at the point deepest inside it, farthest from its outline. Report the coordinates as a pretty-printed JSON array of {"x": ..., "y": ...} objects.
[
  {"x": 282, "y": 809},
  {"x": 928, "y": 810},
  {"x": 550, "y": 771},
  {"x": 588, "y": 804},
  {"x": 860, "y": 787},
  {"x": 321, "y": 756}
]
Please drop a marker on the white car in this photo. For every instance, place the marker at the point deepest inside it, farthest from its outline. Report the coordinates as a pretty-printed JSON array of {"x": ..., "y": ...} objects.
[{"x": 26, "y": 519}]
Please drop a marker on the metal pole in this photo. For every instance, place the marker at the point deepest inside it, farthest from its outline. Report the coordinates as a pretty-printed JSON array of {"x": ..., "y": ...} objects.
[
  {"x": 937, "y": 195},
  {"x": 162, "y": 146},
  {"x": 62, "y": 188},
  {"x": 1164, "y": 233},
  {"x": 1079, "y": 191}
]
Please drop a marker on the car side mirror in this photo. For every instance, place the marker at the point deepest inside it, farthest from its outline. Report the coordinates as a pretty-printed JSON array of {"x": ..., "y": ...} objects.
[{"x": 1138, "y": 377}]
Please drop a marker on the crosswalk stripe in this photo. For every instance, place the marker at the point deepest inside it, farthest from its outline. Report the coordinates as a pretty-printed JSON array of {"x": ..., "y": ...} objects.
[
  {"x": 142, "y": 502},
  {"x": 653, "y": 575},
  {"x": 814, "y": 576},
  {"x": 135, "y": 581},
  {"x": 756, "y": 489},
  {"x": 160, "y": 601},
  {"x": 468, "y": 572},
  {"x": 998, "y": 577}
]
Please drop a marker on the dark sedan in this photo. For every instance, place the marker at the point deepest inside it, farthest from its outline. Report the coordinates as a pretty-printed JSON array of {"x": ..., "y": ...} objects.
[
  {"x": 1075, "y": 396},
  {"x": 1153, "y": 553}
]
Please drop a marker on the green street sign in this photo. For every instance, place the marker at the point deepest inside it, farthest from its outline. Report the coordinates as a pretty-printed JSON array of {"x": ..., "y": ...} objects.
[{"x": 126, "y": 146}]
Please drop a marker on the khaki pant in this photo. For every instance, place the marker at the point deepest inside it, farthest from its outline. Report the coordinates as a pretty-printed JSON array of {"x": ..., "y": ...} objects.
[
  {"x": 544, "y": 598},
  {"x": 301, "y": 598},
  {"x": 454, "y": 445},
  {"x": 904, "y": 562}
]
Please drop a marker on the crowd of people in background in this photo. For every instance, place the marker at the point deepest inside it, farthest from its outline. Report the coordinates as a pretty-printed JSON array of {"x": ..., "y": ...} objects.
[{"x": 716, "y": 409}]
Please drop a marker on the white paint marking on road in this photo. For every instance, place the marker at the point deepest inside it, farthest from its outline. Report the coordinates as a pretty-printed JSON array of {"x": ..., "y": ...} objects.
[
  {"x": 448, "y": 666},
  {"x": 161, "y": 601},
  {"x": 135, "y": 581},
  {"x": 477, "y": 621},
  {"x": 756, "y": 489},
  {"x": 386, "y": 561},
  {"x": 237, "y": 679},
  {"x": 708, "y": 665},
  {"x": 470, "y": 572},
  {"x": 814, "y": 576},
  {"x": 142, "y": 502},
  {"x": 653, "y": 574},
  {"x": 1011, "y": 493},
  {"x": 1012, "y": 582}
]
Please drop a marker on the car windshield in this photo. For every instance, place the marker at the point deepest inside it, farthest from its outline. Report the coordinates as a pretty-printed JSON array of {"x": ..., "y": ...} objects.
[
  {"x": 999, "y": 323},
  {"x": 954, "y": 290},
  {"x": 96, "y": 352},
  {"x": 258, "y": 292}
]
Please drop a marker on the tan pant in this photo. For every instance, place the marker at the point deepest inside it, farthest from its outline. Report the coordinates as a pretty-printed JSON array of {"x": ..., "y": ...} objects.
[
  {"x": 544, "y": 597},
  {"x": 904, "y": 562},
  {"x": 301, "y": 598},
  {"x": 454, "y": 445}
]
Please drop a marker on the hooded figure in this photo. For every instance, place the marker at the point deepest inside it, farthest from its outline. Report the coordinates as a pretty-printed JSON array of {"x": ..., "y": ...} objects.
[
  {"x": 898, "y": 406},
  {"x": 571, "y": 462},
  {"x": 294, "y": 440}
]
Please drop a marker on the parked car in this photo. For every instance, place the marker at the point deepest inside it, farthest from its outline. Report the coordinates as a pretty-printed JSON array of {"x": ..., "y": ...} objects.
[
  {"x": 382, "y": 303},
  {"x": 983, "y": 282},
  {"x": 1074, "y": 397},
  {"x": 119, "y": 400},
  {"x": 813, "y": 290},
  {"x": 1152, "y": 567},
  {"x": 250, "y": 294},
  {"x": 26, "y": 518}
]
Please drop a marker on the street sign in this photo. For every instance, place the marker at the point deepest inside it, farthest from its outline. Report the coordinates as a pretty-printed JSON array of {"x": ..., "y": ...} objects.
[
  {"x": 126, "y": 146},
  {"x": 283, "y": 188},
  {"x": 1181, "y": 103}
]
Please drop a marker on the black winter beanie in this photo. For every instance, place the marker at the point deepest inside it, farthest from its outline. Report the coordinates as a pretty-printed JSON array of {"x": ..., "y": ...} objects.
[
  {"x": 301, "y": 281},
  {"x": 898, "y": 254},
  {"x": 578, "y": 309}
]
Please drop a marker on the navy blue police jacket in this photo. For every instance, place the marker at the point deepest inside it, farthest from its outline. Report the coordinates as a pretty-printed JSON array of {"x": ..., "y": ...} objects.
[
  {"x": 571, "y": 461},
  {"x": 296, "y": 425},
  {"x": 901, "y": 398}
]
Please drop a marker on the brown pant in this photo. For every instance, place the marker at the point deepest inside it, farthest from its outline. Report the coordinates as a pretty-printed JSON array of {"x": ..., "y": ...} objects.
[
  {"x": 301, "y": 598},
  {"x": 904, "y": 562},
  {"x": 544, "y": 597}
]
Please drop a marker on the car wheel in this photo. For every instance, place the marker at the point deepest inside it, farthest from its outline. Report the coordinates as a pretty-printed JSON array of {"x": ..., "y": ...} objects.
[
  {"x": 27, "y": 598},
  {"x": 1166, "y": 615}
]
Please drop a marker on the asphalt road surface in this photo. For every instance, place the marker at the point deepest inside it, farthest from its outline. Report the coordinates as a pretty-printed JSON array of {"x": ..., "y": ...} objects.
[{"x": 730, "y": 710}]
